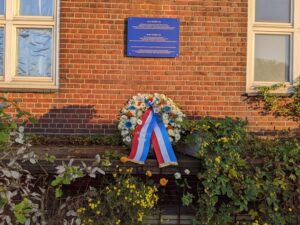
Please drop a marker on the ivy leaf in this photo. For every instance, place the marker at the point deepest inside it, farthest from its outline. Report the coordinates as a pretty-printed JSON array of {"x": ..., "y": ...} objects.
[
  {"x": 58, "y": 192},
  {"x": 3, "y": 202},
  {"x": 21, "y": 210},
  {"x": 293, "y": 177},
  {"x": 66, "y": 180},
  {"x": 4, "y": 136},
  {"x": 57, "y": 181},
  {"x": 232, "y": 174}
]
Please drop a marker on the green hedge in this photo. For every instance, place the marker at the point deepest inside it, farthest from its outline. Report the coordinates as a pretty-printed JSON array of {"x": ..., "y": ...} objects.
[{"x": 242, "y": 174}]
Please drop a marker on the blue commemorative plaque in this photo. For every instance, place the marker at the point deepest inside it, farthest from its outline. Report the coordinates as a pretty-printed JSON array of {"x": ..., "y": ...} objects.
[{"x": 153, "y": 37}]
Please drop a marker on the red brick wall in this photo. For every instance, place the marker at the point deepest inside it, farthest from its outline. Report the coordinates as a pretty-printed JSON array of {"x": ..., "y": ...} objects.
[{"x": 96, "y": 77}]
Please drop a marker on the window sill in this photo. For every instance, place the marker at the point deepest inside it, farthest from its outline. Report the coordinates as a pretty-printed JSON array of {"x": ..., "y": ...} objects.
[
  {"x": 286, "y": 91},
  {"x": 256, "y": 94},
  {"x": 28, "y": 87},
  {"x": 282, "y": 92}
]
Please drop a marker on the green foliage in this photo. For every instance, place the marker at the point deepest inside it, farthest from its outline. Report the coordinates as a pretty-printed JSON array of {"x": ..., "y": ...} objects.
[
  {"x": 66, "y": 174},
  {"x": 125, "y": 200},
  {"x": 187, "y": 199},
  {"x": 21, "y": 210},
  {"x": 108, "y": 140},
  {"x": 9, "y": 123},
  {"x": 50, "y": 158},
  {"x": 244, "y": 175},
  {"x": 110, "y": 155},
  {"x": 217, "y": 133},
  {"x": 275, "y": 176},
  {"x": 281, "y": 106}
]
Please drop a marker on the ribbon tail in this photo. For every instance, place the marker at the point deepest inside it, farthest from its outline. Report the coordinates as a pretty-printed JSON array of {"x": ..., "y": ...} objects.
[
  {"x": 142, "y": 137},
  {"x": 162, "y": 146}
]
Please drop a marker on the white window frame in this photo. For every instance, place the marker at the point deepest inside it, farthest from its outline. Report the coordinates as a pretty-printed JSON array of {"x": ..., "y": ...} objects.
[
  {"x": 292, "y": 29},
  {"x": 11, "y": 21}
]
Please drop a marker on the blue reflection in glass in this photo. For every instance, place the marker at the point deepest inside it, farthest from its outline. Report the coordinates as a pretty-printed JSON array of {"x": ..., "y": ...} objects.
[
  {"x": 1, "y": 7},
  {"x": 1, "y": 50},
  {"x": 36, "y": 7},
  {"x": 34, "y": 52}
]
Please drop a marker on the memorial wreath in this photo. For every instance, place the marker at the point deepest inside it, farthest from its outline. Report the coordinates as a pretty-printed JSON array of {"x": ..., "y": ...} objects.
[{"x": 151, "y": 118}]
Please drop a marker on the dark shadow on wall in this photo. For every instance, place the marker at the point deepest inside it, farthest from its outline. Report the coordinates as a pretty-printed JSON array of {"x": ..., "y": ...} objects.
[{"x": 72, "y": 119}]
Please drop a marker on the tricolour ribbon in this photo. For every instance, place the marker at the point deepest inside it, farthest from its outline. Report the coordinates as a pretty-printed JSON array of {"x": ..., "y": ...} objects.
[{"x": 152, "y": 129}]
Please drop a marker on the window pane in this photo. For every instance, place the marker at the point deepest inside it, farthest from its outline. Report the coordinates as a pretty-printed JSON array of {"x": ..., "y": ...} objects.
[
  {"x": 272, "y": 58},
  {"x": 36, "y": 7},
  {"x": 34, "y": 52},
  {"x": 1, "y": 51},
  {"x": 273, "y": 11},
  {"x": 1, "y": 7}
]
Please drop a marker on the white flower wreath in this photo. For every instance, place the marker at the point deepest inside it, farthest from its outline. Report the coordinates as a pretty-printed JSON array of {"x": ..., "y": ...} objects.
[{"x": 166, "y": 109}]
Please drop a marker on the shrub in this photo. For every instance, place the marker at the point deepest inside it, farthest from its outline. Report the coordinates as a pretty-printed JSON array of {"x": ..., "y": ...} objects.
[
  {"x": 124, "y": 200},
  {"x": 12, "y": 127},
  {"x": 243, "y": 175}
]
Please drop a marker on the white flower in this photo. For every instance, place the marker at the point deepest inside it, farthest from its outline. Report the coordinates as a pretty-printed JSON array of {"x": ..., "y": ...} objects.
[
  {"x": 171, "y": 132},
  {"x": 128, "y": 139},
  {"x": 124, "y": 132},
  {"x": 187, "y": 171},
  {"x": 124, "y": 110},
  {"x": 165, "y": 116},
  {"x": 177, "y": 175},
  {"x": 121, "y": 126},
  {"x": 166, "y": 121},
  {"x": 177, "y": 137},
  {"x": 21, "y": 129},
  {"x": 133, "y": 120},
  {"x": 179, "y": 119},
  {"x": 139, "y": 122},
  {"x": 60, "y": 169},
  {"x": 139, "y": 113},
  {"x": 123, "y": 117}
]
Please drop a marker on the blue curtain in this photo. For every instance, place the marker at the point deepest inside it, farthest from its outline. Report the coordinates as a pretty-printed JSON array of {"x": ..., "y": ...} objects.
[
  {"x": 1, "y": 7},
  {"x": 34, "y": 52},
  {"x": 36, "y": 7}
]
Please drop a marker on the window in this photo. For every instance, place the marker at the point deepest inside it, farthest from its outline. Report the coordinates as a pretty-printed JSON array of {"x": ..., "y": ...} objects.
[
  {"x": 29, "y": 44},
  {"x": 273, "y": 43}
]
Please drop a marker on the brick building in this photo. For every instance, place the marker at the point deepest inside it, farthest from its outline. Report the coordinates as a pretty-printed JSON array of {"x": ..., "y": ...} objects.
[{"x": 66, "y": 59}]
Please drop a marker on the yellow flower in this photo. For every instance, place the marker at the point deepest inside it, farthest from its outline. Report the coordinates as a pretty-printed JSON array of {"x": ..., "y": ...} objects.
[
  {"x": 140, "y": 216},
  {"x": 290, "y": 209},
  {"x": 118, "y": 222},
  {"x": 218, "y": 124},
  {"x": 163, "y": 181},
  {"x": 218, "y": 159},
  {"x": 148, "y": 173},
  {"x": 265, "y": 224},
  {"x": 124, "y": 159},
  {"x": 114, "y": 175},
  {"x": 275, "y": 209},
  {"x": 223, "y": 139}
]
